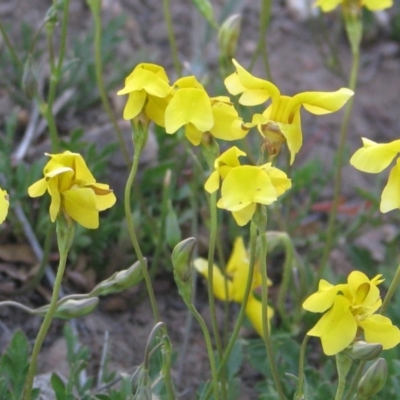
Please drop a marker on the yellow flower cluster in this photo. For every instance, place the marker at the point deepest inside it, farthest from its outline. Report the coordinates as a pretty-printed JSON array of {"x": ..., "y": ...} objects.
[
  {"x": 233, "y": 289},
  {"x": 373, "y": 5},
  {"x": 73, "y": 190},
  {"x": 350, "y": 308}
]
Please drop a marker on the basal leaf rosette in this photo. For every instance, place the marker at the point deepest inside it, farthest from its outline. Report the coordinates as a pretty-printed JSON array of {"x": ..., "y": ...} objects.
[
  {"x": 281, "y": 120},
  {"x": 349, "y": 312},
  {"x": 73, "y": 190}
]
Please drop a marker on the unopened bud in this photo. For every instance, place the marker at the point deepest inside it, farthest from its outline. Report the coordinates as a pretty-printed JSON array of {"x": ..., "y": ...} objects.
[
  {"x": 29, "y": 81},
  {"x": 364, "y": 351},
  {"x": 373, "y": 380},
  {"x": 183, "y": 268},
  {"x": 119, "y": 281},
  {"x": 228, "y": 36},
  {"x": 71, "y": 308},
  {"x": 141, "y": 384}
]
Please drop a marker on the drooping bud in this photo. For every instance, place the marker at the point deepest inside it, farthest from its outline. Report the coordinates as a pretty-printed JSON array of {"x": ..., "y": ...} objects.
[
  {"x": 29, "y": 82},
  {"x": 364, "y": 351},
  {"x": 119, "y": 281},
  {"x": 228, "y": 36},
  {"x": 141, "y": 384},
  {"x": 373, "y": 380},
  {"x": 183, "y": 268},
  {"x": 71, "y": 308}
]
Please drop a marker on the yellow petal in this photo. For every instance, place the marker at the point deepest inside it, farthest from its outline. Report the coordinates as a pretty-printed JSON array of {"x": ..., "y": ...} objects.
[
  {"x": 193, "y": 134},
  {"x": 244, "y": 185},
  {"x": 155, "y": 109},
  {"x": 229, "y": 158},
  {"x": 218, "y": 279},
  {"x": 80, "y": 205},
  {"x": 337, "y": 328},
  {"x": 324, "y": 298},
  {"x": 254, "y": 314},
  {"x": 279, "y": 179},
  {"x": 254, "y": 90},
  {"x": 189, "y": 106},
  {"x": 38, "y": 188},
  {"x": 4, "y": 205},
  {"x": 243, "y": 216},
  {"x": 293, "y": 135},
  {"x": 212, "y": 183},
  {"x": 327, "y": 5},
  {"x": 379, "y": 329},
  {"x": 55, "y": 198},
  {"x": 374, "y": 157},
  {"x": 134, "y": 104},
  {"x": 375, "y": 5},
  {"x": 390, "y": 199},
  {"x": 321, "y": 102}
]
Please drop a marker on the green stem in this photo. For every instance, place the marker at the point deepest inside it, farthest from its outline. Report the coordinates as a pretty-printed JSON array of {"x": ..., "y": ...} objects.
[
  {"x": 264, "y": 302},
  {"x": 139, "y": 138},
  {"x": 265, "y": 16},
  {"x": 240, "y": 318},
  {"x": 55, "y": 76},
  {"x": 392, "y": 289},
  {"x": 299, "y": 395},
  {"x": 171, "y": 38},
  {"x": 356, "y": 380},
  {"x": 339, "y": 164},
  {"x": 10, "y": 303},
  {"x": 343, "y": 365},
  {"x": 131, "y": 228},
  {"x": 210, "y": 350},
  {"x": 96, "y": 12},
  {"x": 10, "y": 47},
  {"x": 210, "y": 276},
  {"x": 64, "y": 238}
]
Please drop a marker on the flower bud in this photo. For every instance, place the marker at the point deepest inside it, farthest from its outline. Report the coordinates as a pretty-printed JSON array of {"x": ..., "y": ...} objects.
[
  {"x": 228, "y": 36},
  {"x": 364, "y": 351},
  {"x": 119, "y": 281},
  {"x": 141, "y": 384},
  {"x": 29, "y": 82},
  {"x": 71, "y": 308},
  {"x": 373, "y": 380},
  {"x": 183, "y": 269}
]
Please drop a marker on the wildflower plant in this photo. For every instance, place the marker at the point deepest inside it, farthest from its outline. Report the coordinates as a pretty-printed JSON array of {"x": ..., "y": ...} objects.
[{"x": 248, "y": 179}]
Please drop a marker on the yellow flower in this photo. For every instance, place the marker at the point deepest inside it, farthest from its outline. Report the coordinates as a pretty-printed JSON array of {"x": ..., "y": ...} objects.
[
  {"x": 236, "y": 278},
  {"x": 281, "y": 121},
  {"x": 373, "y": 5},
  {"x": 349, "y": 308},
  {"x": 4, "y": 204},
  {"x": 148, "y": 89},
  {"x": 374, "y": 158},
  {"x": 73, "y": 190},
  {"x": 243, "y": 186},
  {"x": 190, "y": 107}
]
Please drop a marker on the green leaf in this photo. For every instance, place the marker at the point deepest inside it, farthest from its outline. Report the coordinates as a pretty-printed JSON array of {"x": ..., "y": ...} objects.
[
  {"x": 58, "y": 386},
  {"x": 206, "y": 10},
  {"x": 235, "y": 359}
]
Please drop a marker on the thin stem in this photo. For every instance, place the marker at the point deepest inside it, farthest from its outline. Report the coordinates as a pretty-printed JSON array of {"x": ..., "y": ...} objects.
[
  {"x": 11, "y": 303},
  {"x": 171, "y": 38},
  {"x": 132, "y": 232},
  {"x": 139, "y": 138},
  {"x": 264, "y": 302},
  {"x": 10, "y": 47},
  {"x": 96, "y": 12},
  {"x": 241, "y": 315},
  {"x": 300, "y": 388},
  {"x": 392, "y": 289},
  {"x": 356, "y": 379},
  {"x": 343, "y": 365},
  {"x": 64, "y": 248},
  {"x": 265, "y": 15},
  {"x": 339, "y": 164},
  {"x": 210, "y": 276},
  {"x": 210, "y": 350}
]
